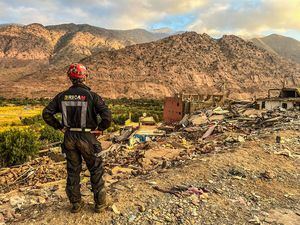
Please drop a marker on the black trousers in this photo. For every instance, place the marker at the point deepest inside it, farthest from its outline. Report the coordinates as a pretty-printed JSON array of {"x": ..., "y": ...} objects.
[{"x": 78, "y": 145}]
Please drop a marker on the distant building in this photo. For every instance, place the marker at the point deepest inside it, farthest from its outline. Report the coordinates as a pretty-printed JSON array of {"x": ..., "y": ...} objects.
[
  {"x": 287, "y": 98},
  {"x": 180, "y": 104}
]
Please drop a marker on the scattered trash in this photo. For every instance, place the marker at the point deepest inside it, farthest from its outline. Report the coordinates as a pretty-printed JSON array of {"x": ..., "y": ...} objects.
[
  {"x": 209, "y": 132},
  {"x": 181, "y": 190}
]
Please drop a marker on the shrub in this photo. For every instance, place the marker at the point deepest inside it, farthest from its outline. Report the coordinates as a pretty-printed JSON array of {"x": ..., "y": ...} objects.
[
  {"x": 120, "y": 119},
  {"x": 113, "y": 127},
  {"x": 136, "y": 116},
  {"x": 18, "y": 146},
  {"x": 50, "y": 135},
  {"x": 32, "y": 120}
]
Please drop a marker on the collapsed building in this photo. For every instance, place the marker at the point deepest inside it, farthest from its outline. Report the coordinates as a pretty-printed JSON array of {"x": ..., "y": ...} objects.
[
  {"x": 287, "y": 98},
  {"x": 177, "y": 106}
]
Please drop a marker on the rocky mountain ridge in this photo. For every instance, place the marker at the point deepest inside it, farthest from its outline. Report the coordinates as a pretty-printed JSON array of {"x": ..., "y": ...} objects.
[
  {"x": 26, "y": 49},
  {"x": 187, "y": 62},
  {"x": 286, "y": 47}
]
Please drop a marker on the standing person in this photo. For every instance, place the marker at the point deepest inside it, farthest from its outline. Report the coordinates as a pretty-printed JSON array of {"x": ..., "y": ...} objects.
[{"x": 80, "y": 107}]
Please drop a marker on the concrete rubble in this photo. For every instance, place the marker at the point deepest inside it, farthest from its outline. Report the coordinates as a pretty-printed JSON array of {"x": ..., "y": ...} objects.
[{"x": 163, "y": 146}]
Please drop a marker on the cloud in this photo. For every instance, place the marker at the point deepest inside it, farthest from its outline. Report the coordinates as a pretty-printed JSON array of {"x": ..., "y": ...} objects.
[
  {"x": 248, "y": 17},
  {"x": 118, "y": 14},
  {"x": 215, "y": 17}
]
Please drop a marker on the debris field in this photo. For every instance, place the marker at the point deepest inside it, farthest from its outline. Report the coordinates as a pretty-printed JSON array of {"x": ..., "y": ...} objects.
[{"x": 231, "y": 165}]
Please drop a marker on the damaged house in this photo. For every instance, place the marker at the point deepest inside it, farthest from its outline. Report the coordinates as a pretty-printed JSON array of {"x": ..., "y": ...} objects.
[
  {"x": 287, "y": 98},
  {"x": 177, "y": 106}
]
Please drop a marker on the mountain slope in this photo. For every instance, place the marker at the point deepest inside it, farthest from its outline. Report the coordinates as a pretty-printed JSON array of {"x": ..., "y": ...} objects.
[
  {"x": 26, "y": 49},
  {"x": 187, "y": 62},
  {"x": 284, "y": 46}
]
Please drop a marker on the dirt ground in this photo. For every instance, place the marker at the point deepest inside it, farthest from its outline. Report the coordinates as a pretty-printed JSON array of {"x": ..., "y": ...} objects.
[{"x": 248, "y": 184}]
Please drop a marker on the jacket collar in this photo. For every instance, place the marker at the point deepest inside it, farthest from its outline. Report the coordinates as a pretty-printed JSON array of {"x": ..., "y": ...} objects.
[{"x": 81, "y": 86}]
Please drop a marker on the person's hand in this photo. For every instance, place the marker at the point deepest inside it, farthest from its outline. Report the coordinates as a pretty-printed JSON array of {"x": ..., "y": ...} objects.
[{"x": 97, "y": 133}]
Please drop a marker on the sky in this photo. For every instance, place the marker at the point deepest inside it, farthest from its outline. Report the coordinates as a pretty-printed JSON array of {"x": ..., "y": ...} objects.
[{"x": 247, "y": 18}]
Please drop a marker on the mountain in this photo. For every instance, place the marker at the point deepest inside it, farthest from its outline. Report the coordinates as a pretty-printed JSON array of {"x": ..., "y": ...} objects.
[
  {"x": 26, "y": 49},
  {"x": 284, "y": 46},
  {"x": 163, "y": 30},
  {"x": 187, "y": 62}
]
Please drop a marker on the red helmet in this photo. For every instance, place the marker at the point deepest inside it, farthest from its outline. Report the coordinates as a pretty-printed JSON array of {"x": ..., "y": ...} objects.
[{"x": 77, "y": 71}]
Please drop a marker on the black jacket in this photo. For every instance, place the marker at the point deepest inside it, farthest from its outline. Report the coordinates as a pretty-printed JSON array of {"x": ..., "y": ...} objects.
[{"x": 80, "y": 108}]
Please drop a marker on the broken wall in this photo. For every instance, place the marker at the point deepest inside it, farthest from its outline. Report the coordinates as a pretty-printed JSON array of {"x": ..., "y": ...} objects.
[
  {"x": 173, "y": 109},
  {"x": 269, "y": 105}
]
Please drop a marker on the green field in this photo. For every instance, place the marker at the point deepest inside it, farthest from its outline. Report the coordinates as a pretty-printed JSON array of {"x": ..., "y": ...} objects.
[{"x": 12, "y": 116}]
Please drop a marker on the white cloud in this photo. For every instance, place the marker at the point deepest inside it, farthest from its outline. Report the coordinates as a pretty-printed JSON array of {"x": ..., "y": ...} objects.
[
  {"x": 248, "y": 17},
  {"x": 118, "y": 14},
  {"x": 215, "y": 17}
]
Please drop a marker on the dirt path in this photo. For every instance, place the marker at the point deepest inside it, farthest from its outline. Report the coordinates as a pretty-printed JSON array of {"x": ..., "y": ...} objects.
[{"x": 246, "y": 185}]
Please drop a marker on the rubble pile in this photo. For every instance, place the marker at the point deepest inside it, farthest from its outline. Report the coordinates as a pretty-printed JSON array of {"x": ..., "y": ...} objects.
[
  {"x": 211, "y": 130},
  {"x": 38, "y": 183},
  {"x": 14, "y": 206},
  {"x": 203, "y": 132},
  {"x": 38, "y": 171}
]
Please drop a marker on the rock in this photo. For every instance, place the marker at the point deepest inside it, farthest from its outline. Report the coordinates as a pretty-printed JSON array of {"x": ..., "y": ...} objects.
[
  {"x": 194, "y": 190},
  {"x": 41, "y": 200},
  {"x": 117, "y": 170},
  {"x": 131, "y": 218},
  {"x": 156, "y": 154},
  {"x": 33, "y": 201},
  {"x": 151, "y": 182},
  {"x": 167, "y": 218},
  {"x": 216, "y": 117},
  {"x": 4, "y": 199},
  {"x": 241, "y": 139},
  {"x": 115, "y": 209},
  {"x": 282, "y": 216},
  {"x": 9, "y": 214},
  {"x": 237, "y": 172},
  {"x": 195, "y": 200},
  {"x": 141, "y": 208},
  {"x": 204, "y": 196},
  {"x": 2, "y": 220},
  {"x": 268, "y": 174},
  {"x": 284, "y": 152},
  {"x": 54, "y": 188},
  {"x": 17, "y": 201},
  {"x": 255, "y": 220},
  {"x": 198, "y": 119},
  {"x": 194, "y": 212}
]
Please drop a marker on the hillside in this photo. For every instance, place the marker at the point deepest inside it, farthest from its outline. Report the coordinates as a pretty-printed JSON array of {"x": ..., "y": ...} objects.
[
  {"x": 186, "y": 62},
  {"x": 26, "y": 49},
  {"x": 284, "y": 46}
]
